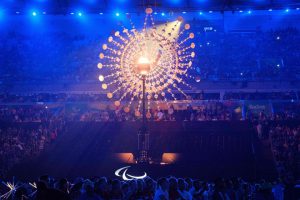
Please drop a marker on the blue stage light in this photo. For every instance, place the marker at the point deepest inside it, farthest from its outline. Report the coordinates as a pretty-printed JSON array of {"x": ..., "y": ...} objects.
[
  {"x": 183, "y": 12},
  {"x": 249, "y": 11},
  {"x": 101, "y": 13},
  {"x": 162, "y": 14},
  {"x": 117, "y": 14},
  {"x": 200, "y": 13},
  {"x": 17, "y": 12},
  {"x": 71, "y": 13},
  {"x": 297, "y": 8},
  {"x": 80, "y": 14},
  {"x": 175, "y": 1},
  {"x": 210, "y": 11},
  {"x": 287, "y": 10},
  {"x": 270, "y": 10},
  {"x": 34, "y": 13}
]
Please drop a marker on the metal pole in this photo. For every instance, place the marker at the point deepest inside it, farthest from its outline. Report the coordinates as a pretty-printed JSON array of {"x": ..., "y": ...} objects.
[
  {"x": 144, "y": 101},
  {"x": 143, "y": 137}
]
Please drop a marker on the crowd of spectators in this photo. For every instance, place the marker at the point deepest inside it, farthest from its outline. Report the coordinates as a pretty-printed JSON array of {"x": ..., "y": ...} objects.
[
  {"x": 249, "y": 55},
  {"x": 166, "y": 188},
  {"x": 260, "y": 55},
  {"x": 30, "y": 113},
  {"x": 288, "y": 95},
  {"x": 19, "y": 143},
  {"x": 210, "y": 110},
  {"x": 93, "y": 97},
  {"x": 206, "y": 111},
  {"x": 285, "y": 142}
]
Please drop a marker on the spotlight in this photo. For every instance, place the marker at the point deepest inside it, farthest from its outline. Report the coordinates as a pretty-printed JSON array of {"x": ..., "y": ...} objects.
[
  {"x": 241, "y": 11},
  {"x": 117, "y": 14},
  {"x": 200, "y": 13},
  {"x": 249, "y": 11},
  {"x": 287, "y": 10},
  {"x": 17, "y": 12},
  {"x": 297, "y": 8},
  {"x": 101, "y": 13},
  {"x": 162, "y": 14},
  {"x": 34, "y": 13},
  {"x": 277, "y": 38},
  {"x": 210, "y": 11},
  {"x": 80, "y": 14},
  {"x": 183, "y": 12},
  {"x": 270, "y": 10},
  {"x": 71, "y": 13},
  {"x": 155, "y": 13},
  {"x": 44, "y": 13}
]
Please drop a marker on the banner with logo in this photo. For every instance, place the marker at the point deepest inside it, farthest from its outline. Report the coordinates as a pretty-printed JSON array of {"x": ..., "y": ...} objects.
[{"x": 256, "y": 107}]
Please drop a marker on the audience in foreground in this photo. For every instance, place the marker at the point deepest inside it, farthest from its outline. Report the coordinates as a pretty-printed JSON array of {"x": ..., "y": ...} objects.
[{"x": 168, "y": 188}]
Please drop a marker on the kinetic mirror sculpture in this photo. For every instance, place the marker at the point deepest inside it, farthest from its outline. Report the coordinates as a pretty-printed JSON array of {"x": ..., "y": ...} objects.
[{"x": 145, "y": 65}]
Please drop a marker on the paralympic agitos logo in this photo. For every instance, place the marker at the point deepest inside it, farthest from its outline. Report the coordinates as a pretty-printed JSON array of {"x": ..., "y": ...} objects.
[{"x": 122, "y": 172}]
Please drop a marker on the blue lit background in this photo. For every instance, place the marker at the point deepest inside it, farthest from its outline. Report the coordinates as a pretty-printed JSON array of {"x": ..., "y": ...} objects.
[{"x": 42, "y": 39}]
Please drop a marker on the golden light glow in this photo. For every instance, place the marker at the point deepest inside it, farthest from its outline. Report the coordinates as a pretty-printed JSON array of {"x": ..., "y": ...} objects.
[
  {"x": 143, "y": 65},
  {"x": 180, "y": 19},
  {"x": 162, "y": 54},
  {"x": 149, "y": 10},
  {"x": 99, "y": 65},
  {"x": 143, "y": 60},
  {"x": 126, "y": 109},
  {"x": 101, "y": 55},
  {"x": 117, "y": 103},
  {"x": 137, "y": 113},
  {"x": 109, "y": 95},
  {"x": 187, "y": 26},
  {"x": 191, "y": 35},
  {"x": 104, "y": 86},
  {"x": 125, "y": 157},
  {"x": 101, "y": 78},
  {"x": 171, "y": 27},
  {"x": 170, "y": 158}
]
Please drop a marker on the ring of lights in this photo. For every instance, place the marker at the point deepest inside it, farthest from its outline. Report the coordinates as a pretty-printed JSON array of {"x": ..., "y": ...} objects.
[
  {"x": 161, "y": 72},
  {"x": 170, "y": 59}
]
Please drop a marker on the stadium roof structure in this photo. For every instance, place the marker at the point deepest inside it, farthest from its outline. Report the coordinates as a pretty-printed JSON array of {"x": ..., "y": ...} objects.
[{"x": 131, "y": 6}]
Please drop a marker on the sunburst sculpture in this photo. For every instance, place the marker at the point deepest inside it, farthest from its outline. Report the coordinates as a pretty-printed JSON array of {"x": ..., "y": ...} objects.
[{"x": 168, "y": 49}]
